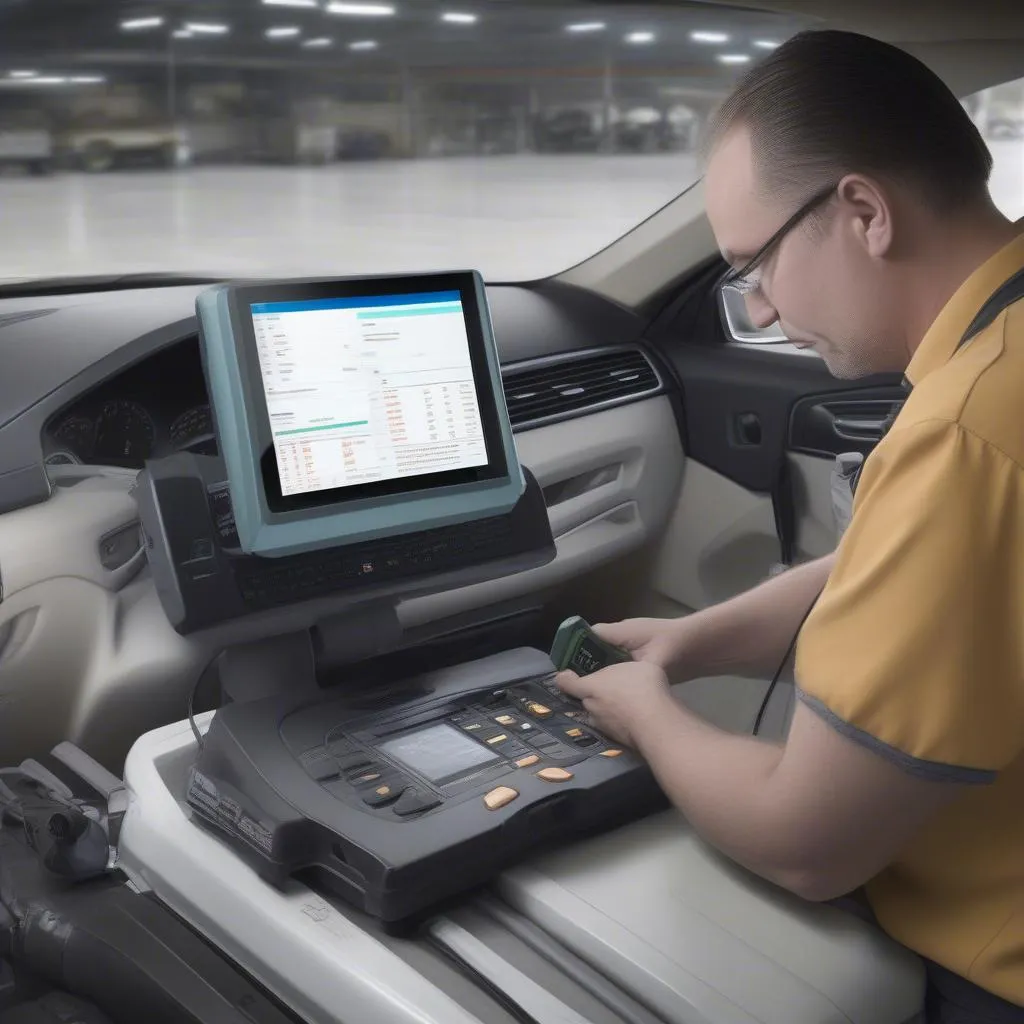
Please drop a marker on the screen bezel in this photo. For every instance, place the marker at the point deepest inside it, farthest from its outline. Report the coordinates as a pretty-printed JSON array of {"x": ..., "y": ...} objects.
[{"x": 495, "y": 469}]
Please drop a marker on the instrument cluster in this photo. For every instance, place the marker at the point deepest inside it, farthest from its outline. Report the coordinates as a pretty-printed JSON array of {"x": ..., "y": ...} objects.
[{"x": 154, "y": 408}]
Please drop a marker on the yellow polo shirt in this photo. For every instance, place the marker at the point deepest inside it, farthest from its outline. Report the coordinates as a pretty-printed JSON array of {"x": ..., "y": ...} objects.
[{"x": 916, "y": 647}]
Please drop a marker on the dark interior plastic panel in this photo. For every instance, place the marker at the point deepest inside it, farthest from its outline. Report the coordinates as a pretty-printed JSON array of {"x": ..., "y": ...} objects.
[{"x": 738, "y": 402}]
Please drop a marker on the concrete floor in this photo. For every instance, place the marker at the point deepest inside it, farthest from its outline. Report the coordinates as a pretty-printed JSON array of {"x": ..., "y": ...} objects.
[{"x": 511, "y": 217}]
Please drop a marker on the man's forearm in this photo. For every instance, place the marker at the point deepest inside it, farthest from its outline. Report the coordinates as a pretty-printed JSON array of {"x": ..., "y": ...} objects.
[
  {"x": 748, "y": 635},
  {"x": 723, "y": 785}
]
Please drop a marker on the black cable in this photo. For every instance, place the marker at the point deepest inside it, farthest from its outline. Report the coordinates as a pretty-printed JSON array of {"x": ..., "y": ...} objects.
[
  {"x": 782, "y": 665},
  {"x": 191, "y": 701}
]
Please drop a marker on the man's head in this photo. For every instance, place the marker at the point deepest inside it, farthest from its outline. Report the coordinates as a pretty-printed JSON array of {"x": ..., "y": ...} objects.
[{"x": 862, "y": 156}]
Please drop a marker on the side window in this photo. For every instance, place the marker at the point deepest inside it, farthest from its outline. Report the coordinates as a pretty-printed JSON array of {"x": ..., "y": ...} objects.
[{"x": 999, "y": 114}]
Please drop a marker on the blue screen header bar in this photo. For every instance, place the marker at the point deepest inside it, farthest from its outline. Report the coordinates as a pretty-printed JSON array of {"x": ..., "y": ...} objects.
[{"x": 362, "y": 302}]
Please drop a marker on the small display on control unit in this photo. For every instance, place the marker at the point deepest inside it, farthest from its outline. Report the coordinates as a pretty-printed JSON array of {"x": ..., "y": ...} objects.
[{"x": 438, "y": 752}]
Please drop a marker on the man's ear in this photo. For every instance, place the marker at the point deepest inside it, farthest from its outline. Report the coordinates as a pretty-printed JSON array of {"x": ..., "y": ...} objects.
[{"x": 869, "y": 213}]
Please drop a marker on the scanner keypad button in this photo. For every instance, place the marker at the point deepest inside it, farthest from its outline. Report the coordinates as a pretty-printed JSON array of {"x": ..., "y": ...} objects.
[
  {"x": 499, "y": 797},
  {"x": 554, "y": 775},
  {"x": 413, "y": 801},
  {"x": 611, "y": 753},
  {"x": 381, "y": 795},
  {"x": 528, "y": 760}
]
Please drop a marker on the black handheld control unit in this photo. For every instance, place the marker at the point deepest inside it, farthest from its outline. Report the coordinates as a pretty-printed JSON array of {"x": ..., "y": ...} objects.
[{"x": 365, "y": 455}]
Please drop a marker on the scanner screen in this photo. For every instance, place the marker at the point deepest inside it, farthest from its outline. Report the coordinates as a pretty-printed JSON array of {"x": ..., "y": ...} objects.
[
  {"x": 437, "y": 752},
  {"x": 368, "y": 390}
]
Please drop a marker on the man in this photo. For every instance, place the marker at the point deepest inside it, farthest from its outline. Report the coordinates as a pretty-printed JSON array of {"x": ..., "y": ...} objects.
[{"x": 847, "y": 188}]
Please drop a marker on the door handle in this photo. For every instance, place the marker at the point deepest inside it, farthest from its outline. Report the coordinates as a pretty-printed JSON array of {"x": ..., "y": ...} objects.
[{"x": 859, "y": 428}]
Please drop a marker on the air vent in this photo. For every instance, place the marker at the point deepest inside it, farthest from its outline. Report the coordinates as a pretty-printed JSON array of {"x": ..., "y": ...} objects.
[
  {"x": 7, "y": 319},
  {"x": 561, "y": 387}
]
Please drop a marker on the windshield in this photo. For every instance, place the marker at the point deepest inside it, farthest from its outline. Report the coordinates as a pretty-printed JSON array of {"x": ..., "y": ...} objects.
[{"x": 279, "y": 137}]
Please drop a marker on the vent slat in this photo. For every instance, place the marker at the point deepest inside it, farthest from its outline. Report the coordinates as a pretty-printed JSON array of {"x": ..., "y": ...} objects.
[{"x": 573, "y": 385}]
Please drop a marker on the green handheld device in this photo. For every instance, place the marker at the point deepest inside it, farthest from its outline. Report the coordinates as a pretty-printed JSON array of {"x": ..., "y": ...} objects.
[{"x": 579, "y": 648}]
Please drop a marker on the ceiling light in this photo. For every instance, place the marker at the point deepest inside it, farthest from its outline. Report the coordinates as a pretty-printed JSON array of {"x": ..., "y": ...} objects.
[
  {"x": 87, "y": 79},
  {"x": 292, "y": 3},
  {"x": 734, "y": 58},
  {"x": 318, "y": 44},
  {"x": 765, "y": 44},
  {"x": 209, "y": 28},
  {"x": 21, "y": 74},
  {"x": 640, "y": 37},
  {"x": 35, "y": 80},
  {"x": 283, "y": 32},
  {"x": 361, "y": 10},
  {"x": 586, "y": 26},
  {"x": 454, "y": 18},
  {"x": 181, "y": 33},
  {"x": 135, "y": 24},
  {"x": 709, "y": 37},
  {"x": 363, "y": 44}
]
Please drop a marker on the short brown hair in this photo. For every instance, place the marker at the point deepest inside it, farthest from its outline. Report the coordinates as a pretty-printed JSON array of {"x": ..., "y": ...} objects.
[{"x": 828, "y": 103}]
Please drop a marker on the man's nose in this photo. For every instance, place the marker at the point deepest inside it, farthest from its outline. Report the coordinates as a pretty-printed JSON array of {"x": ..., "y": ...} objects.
[{"x": 761, "y": 312}]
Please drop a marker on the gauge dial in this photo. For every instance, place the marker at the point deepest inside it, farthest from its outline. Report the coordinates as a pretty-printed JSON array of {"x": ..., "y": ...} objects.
[
  {"x": 125, "y": 434},
  {"x": 191, "y": 427},
  {"x": 62, "y": 459},
  {"x": 76, "y": 435}
]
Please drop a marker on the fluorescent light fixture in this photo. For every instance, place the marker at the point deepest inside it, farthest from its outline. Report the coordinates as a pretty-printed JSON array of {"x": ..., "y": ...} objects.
[
  {"x": 586, "y": 26},
  {"x": 38, "y": 80},
  {"x": 454, "y": 18},
  {"x": 638, "y": 38},
  {"x": 283, "y": 32},
  {"x": 292, "y": 3},
  {"x": 361, "y": 10},
  {"x": 320, "y": 43},
  {"x": 363, "y": 44},
  {"x": 136, "y": 24},
  {"x": 734, "y": 58},
  {"x": 765, "y": 44},
  {"x": 181, "y": 33},
  {"x": 709, "y": 37},
  {"x": 22, "y": 74},
  {"x": 87, "y": 79},
  {"x": 209, "y": 28}
]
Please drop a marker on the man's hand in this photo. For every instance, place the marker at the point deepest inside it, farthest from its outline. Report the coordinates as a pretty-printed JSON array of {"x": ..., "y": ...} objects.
[{"x": 621, "y": 698}]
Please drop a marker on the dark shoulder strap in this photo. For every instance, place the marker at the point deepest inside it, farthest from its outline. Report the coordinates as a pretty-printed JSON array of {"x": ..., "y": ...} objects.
[{"x": 1004, "y": 296}]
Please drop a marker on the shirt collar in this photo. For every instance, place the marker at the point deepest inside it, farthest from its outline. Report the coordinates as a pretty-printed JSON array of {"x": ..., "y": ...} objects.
[{"x": 942, "y": 338}]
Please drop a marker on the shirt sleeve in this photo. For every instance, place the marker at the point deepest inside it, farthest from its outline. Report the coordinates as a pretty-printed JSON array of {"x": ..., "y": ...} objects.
[{"x": 915, "y": 646}]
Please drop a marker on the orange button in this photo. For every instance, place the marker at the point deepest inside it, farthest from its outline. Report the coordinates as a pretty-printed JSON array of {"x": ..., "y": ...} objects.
[
  {"x": 574, "y": 733},
  {"x": 506, "y": 720},
  {"x": 499, "y": 797},
  {"x": 497, "y": 739},
  {"x": 554, "y": 775},
  {"x": 610, "y": 753},
  {"x": 538, "y": 709},
  {"x": 369, "y": 777},
  {"x": 382, "y": 790},
  {"x": 525, "y": 762}
]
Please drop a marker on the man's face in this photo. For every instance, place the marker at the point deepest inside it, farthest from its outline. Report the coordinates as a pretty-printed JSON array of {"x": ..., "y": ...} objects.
[{"x": 821, "y": 285}]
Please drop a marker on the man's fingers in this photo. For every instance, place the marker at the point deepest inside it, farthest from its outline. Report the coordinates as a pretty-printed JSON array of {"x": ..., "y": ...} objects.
[{"x": 570, "y": 683}]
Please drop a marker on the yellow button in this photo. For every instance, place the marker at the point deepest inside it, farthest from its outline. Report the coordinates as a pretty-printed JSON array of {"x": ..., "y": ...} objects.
[
  {"x": 499, "y": 797},
  {"x": 538, "y": 709},
  {"x": 554, "y": 775},
  {"x": 525, "y": 762},
  {"x": 497, "y": 739},
  {"x": 505, "y": 720},
  {"x": 382, "y": 790},
  {"x": 610, "y": 753},
  {"x": 574, "y": 732}
]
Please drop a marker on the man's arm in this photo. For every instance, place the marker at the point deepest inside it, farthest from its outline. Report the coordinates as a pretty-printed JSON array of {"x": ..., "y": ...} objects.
[
  {"x": 819, "y": 817},
  {"x": 749, "y": 634}
]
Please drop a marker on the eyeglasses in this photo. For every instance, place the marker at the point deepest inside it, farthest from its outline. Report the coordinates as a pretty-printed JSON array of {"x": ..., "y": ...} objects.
[{"x": 741, "y": 280}]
